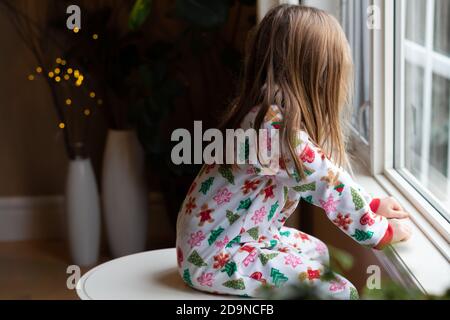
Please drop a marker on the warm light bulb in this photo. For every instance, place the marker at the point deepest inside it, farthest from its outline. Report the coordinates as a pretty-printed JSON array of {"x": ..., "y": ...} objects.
[
  {"x": 68, "y": 102},
  {"x": 87, "y": 112},
  {"x": 58, "y": 79},
  {"x": 76, "y": 29},
  {"x": 92, "y": 95},
  {"x": 95, "y": 36},
  {"x": 70, "y": 71},
  {"x": 51, "y": 74},
  {"x": 58, "y": 60},
  {"x": 61, "y": 125},
  {"x": 31, "y": 77},
  {"x": 63, "y": 62},
  {"x": 76, "y": 73},
  {"x": 38, "y": 69},
  {"x": 66, "y": 77},
  {"x": 57, "y": 70}
]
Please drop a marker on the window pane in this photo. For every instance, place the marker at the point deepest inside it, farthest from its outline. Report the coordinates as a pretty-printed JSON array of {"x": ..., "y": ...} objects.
[
  {"x": 416, "y": 20},
  {"x": 442, "y": 27},
  {"x": 414, "y": 80},
  {"x": 439, "y": 148},
  {"x": 425, "y": 160}
]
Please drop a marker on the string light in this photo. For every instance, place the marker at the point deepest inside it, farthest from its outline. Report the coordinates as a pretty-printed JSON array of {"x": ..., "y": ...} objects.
[
  {"x": 95, "y": 36},
  {"x": 31, "y": 77},
  {"x": 76, "y": 30},
  {"x": 38, "y": 69},
  {"x": 66, "y": 77},
  {"x": 87, "y": 112},
  {"x": 68, "y": 102},
  {"x": 58, "y": 60},
  {"x": 70, "y": 71},
  {"x": 92, "y": 95},
  {"x": 76, "y": 73},
  {"x": 51, "y": 74},
  {"x": 79, "y": 81},
  {"x": 61, "y": 125},
  {"x": 58, "y": 79},
  {"x": 57, "y": 70},
  {"x": 63, "y": 62}
]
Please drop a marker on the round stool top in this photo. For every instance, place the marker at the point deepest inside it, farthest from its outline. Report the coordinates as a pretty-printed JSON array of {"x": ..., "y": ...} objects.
[{"x": 150, "y": 275}]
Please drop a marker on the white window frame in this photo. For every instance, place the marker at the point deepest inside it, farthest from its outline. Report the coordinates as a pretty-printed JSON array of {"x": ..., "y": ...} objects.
[
  {"x": 432, "y": 63},
  {"x": 384, "y": 130}
]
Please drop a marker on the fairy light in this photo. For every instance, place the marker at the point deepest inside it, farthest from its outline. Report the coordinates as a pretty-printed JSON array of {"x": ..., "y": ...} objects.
[
  {"x": 57, "y": 70},
  {"x": 76, "y": 73},
  {"x": 99, "y": 102},
  {"x": 95, "y": 36},
  {"x": 58, "y": 79},
  {"x": 58, "y": 60},
  {"x": 87, "y": 112},
  {"x": 51, "y": 74},
  {"x": 76, "y": 30},
  {"x": 63, "y": 62},
  {"x": 68, "y": 102},
  {"x": 92, "y": 94},
  {"x": 66, "y": 77},
  {"x": 61, "y": 125},
  {"x": 31, "y": 77},
  {"x": 70, "y": 71},
  {"x": 38, "y": 69},
  {"x": 79, "y": 81}
]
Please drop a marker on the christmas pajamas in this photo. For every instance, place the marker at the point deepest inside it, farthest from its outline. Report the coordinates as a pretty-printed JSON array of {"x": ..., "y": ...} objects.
[{"x": 231, "y": 237}]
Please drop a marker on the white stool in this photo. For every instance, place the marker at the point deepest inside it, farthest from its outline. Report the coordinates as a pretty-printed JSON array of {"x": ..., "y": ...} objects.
[{"x": 150, "y": 275}]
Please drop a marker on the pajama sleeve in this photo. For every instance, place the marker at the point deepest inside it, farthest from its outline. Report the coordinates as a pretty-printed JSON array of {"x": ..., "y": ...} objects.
[{"x": 345, "y": 203}]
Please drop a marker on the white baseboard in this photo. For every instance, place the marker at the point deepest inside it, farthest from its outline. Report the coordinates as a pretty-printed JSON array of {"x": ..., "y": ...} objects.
[
  {"x": 42, "y": 217},
  {"x": 29, "y": 218}
]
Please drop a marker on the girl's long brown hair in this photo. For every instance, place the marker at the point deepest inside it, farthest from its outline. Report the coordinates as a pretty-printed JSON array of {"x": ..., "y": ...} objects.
[{"x": 298, "y": 58}]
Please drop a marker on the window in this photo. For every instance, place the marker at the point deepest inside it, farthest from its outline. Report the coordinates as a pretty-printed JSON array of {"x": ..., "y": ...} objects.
[
  {"x": 353, "y": 15},
  {"x": 422, "y": 90}
]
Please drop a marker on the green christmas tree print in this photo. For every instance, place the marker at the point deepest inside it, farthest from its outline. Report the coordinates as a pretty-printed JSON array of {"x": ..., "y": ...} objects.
[
  {"x": 308, "y": 199},
  {"x": 285, "y": 233},
  {"x": 196, "y": 260},
  {"x": 253, "y": 232},
  {"x": 187, "y": 277},
  {"x": 206, "y": 185},
  {"x": 272, "y": 211},
  {"x": 237, "y": 284},
  {"x": 306, "y": 187},
  {"x": 266, "y": 257},
  {"x": 227, "y": 173},
  {"x": 361, "y": 235},
  {"x": 278, "y": 278},
  {"x": 285, "y": 193},
  {"x": 232, "y": 217},
  {"x": 357, "y": 200},
  {"x": 230, "y": 268},
  {"x": 214, "y": 235},
  {"x": 354, "y": 294},
  {"x": 245, "y": 204},
  {"x": 236, "y": 240}
]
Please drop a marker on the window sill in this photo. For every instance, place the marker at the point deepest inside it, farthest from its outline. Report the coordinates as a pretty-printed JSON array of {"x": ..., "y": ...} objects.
[{"x": 423, "y": 261}]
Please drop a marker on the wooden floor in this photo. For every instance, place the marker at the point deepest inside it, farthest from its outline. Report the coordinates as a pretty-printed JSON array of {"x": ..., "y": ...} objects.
[{"x": 34, "y": 270}]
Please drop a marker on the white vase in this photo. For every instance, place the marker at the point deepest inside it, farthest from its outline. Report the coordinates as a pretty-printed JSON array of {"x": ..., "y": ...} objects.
[
  {"x": 124, "y": 193},
  {"x": 83, "y": 212}
]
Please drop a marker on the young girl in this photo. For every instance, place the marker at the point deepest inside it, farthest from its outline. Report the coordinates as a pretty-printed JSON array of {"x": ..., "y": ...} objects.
[{"x": 230, "y": 233}]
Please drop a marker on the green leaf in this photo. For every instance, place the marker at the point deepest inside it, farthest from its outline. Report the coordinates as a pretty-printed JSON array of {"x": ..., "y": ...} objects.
[{"x": 139, "y": 13}]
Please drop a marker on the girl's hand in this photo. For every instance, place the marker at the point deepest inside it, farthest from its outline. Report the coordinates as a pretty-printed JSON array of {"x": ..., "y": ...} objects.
[
  {"x": 401, "y": 231},
  {"x": 391, "y": 209}
]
